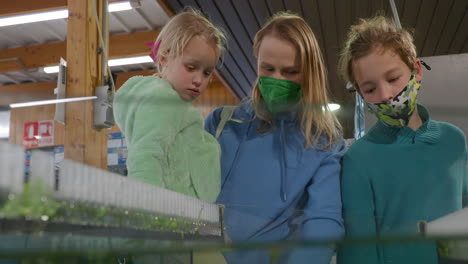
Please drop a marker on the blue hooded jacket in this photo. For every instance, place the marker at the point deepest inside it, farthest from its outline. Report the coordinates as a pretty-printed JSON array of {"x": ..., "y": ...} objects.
[{"x": 273, "y": 188}]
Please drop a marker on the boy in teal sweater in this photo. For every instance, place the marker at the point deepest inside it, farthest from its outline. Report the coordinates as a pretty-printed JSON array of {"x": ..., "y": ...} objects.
[{"x": 408, "y": 168}]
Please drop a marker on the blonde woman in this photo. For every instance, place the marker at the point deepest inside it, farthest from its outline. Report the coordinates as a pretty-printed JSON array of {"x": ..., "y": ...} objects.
[{"x": 281, "y": 149}]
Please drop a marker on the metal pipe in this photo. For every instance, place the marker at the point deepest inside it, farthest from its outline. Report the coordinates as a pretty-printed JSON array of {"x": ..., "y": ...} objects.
[{"x": 395, "y": 13}]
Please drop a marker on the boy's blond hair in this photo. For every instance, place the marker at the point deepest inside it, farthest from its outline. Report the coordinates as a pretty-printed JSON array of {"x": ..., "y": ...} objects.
[
  {"x": 315, "y": 117},
  {"x": 368, "y": 35},
  {"x": 178, "y": 32}
]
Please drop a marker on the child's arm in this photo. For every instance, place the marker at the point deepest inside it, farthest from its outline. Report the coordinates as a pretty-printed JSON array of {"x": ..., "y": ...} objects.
[{"x": 358, "y": 213}]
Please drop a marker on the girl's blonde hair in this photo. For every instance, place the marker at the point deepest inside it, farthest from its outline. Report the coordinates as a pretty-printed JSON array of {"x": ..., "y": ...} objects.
[
  {"x": 368, "y": 35},
  {"x": 178, "y": 32},
  {"x": 316, "y": 119}
]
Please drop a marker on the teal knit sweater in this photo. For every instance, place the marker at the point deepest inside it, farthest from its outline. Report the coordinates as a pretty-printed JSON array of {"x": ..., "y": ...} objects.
[
  {"x": 167, "y": 143},
  {"x": 393, "y": 178}
]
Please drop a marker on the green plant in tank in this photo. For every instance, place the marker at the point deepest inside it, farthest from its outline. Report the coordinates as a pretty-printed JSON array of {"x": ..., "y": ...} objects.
[
  {"x": 443, "y": 248},
  {"x": 35, "y": 202},
  {"x": 275, "y": 254},
  {"x": 87, "y": 213},
  {"x": 73, "y": 259}
]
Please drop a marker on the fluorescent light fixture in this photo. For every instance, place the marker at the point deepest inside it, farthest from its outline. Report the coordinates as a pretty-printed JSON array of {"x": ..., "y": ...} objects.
[
  {"x": 131, "y": 60},
  {"x": 119, "y": 6},
  {"x": 111, "y": 63},
  {"x": 34, "y": 17},
  {"x": 55, "y": 14},
  {"x": 55, "y": 101},
  {"x": 51, "y": 69},
  {"x": 4, "y": 131},
  {"x": 334, "y": 107},
  {"x": 4, "y": 121}
]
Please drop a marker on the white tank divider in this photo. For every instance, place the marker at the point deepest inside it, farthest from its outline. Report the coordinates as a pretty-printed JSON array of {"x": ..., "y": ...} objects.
[
  {"x": 171, "y": 203},
  {"x": 69, "y": 180},
  {"x": 42, "y": 168},
  {"x": 452, "y": 224},
  {"x": 65, "y": 180},
  {"x": 109, "y": 184},
  {"x": 98, "y": 188},
  {"x": 83, "y": 183},
  {"x": 85, "y": 190},
  {"x": 11, "y": 167}
]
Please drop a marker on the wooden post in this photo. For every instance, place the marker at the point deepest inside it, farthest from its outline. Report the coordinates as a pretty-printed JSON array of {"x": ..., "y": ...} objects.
[{"x": 82, "y": 142}]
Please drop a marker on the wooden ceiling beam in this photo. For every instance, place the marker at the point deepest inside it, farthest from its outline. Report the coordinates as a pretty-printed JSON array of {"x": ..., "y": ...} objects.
[
  {"x": 165, "y": 6},
  {"x": 27, "y": 92},
  {"x": 22, "y": 7},
  {"x": 32, "y": 57}
]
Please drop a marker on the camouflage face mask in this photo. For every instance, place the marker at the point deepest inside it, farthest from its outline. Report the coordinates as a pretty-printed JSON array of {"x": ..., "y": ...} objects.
[{"x": 397, "y": 112}]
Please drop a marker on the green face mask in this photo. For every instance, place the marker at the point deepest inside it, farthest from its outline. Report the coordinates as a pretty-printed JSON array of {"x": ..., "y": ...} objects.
[{"x": 279, "y": 95}]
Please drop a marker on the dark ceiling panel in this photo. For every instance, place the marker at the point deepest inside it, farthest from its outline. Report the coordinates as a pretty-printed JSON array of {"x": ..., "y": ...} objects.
[
  {"x": 242, "y": 38},
  {"x": 232, "y": 80},
  {"x": 459, "y": 8},
  {"x": 331, "y": 44},
  {"x": 247, "y": 17},
  {"x": 294, "y": 6},
  {"x": 361, "y": 8},
  {"x": 192, "y": 3},
  {"x": 238, "y": 39},
  {"x": 176, "y": 5},
  {"x": 409, "y": 16},
  {"x": 387, "y": 8},
  {"x": 427, "y": 10},
  {"x": 400, "y": 5},
  {"x": 343, "y": 19},
  {"x": 184, "y": 3},
  {"x": 465, "y": 46},
  {"x": 437, "y": 25},
  {"x": 230, "y": 69},
  {"x": 275, "y": 6},
  {"x": 378, "y": 6},
  {"x": 460, "y": 42},
  {"x": 261, "y": 10},
  {"x": 242, "y": 84},
  {"x": 314, "y": 20}
]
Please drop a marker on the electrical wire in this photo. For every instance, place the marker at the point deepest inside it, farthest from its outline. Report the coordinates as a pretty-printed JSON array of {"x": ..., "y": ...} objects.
[{"x": 104, "y": 46}]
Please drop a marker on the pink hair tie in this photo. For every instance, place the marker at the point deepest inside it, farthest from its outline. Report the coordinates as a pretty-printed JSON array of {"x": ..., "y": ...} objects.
[{"x": 154, "y": 50}]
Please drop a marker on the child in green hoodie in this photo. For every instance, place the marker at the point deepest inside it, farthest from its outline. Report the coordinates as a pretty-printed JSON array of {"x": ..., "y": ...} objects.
[{"x": 167, "y": 144}]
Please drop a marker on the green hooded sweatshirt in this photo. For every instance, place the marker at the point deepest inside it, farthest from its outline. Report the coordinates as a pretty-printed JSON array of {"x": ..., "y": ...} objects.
[{"x": 167, "y": 144}]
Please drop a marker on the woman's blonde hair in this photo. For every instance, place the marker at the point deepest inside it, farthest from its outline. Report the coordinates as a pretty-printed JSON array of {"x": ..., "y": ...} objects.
[
  {"x": 316, "y": 119},
  {"x": 368, "y": 35},
  {"x": 178, "y": 32}
]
